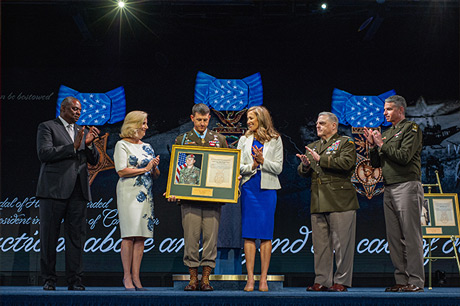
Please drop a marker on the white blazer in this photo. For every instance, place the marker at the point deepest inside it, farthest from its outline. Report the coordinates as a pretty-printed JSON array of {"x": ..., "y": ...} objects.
[{"x": 273, "y": 161}]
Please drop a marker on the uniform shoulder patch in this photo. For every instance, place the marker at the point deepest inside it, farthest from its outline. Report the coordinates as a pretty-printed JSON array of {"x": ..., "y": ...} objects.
[
  {"x": 349, "y": 139},
  {"x": 179, "y": 138},
  {"x": 414, "y": 127}
]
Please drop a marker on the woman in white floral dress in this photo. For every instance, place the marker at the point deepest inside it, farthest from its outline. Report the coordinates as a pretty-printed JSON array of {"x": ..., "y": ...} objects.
[{"x": 137, "y": 166}]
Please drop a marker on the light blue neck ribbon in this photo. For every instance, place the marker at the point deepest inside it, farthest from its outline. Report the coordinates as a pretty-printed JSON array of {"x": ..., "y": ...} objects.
[{"x": 198, "y": 134}]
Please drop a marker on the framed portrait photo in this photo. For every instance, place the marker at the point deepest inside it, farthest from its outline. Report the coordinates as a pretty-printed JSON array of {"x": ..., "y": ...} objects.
[
  {"x": 440, "y": 215},
  {"x": 204, "y": 174}
]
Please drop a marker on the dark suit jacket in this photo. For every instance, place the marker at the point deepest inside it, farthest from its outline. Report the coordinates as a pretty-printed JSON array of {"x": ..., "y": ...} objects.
[{"x": 60, "y": 164}]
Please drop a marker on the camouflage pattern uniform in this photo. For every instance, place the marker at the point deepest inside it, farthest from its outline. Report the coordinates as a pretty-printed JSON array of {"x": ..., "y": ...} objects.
[{"x": 190, "y": 176}]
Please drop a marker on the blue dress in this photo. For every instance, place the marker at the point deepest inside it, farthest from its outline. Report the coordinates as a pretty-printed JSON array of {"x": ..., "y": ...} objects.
[{"x": 257, "y": 207}]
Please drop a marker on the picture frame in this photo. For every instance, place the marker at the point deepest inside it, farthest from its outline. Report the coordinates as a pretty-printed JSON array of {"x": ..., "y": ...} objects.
[
  {"x": 204, "y": 174},
  {"x": 440, "y": 215}
]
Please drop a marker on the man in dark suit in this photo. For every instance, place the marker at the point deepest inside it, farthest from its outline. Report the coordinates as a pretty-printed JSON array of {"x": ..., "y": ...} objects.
[{"x": 63, "y": 190}]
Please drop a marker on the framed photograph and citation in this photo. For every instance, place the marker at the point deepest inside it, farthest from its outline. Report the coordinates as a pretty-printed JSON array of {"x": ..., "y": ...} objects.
[
  {"x": 204, "y": 174},
  {"x": 440, "y": 215}
]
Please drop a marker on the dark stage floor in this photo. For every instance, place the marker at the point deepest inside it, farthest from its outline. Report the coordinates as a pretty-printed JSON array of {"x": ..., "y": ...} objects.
[{"x": 169, "y": 296}]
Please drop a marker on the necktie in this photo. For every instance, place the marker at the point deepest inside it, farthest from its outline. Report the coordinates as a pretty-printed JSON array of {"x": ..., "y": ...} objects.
[
  {"x": 70, "y": 131},
  {"x": 321, "y": 146}
]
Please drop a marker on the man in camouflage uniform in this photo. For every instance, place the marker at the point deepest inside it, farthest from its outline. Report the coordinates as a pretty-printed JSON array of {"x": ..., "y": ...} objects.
[
  {"x": 190, "y": 174},
  {"x": 200, "y": 218},
  {"x": 397, "y": 151},
  {"x": 330, "y": 162}
]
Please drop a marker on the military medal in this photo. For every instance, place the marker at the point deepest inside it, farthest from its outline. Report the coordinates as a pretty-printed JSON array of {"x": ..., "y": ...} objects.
[{"x": 201, "y": 136}]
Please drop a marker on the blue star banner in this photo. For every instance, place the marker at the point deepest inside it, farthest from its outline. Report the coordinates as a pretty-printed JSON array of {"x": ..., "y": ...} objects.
[
  {"x": 97, "y": 108},
  {"x": 228, "y": 94},
  {"x": 360, "y": 111}
]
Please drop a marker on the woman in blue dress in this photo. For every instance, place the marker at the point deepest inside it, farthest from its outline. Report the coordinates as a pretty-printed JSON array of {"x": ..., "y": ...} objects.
[{"x": 261, "y": 163}]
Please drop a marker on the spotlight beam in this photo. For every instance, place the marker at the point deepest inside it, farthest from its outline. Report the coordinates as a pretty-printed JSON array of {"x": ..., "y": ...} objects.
[{"x": 142, "y": 23}]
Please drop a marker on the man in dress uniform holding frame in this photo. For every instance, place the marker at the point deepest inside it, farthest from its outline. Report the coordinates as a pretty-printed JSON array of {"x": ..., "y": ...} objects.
[{"x": 199, "y": 217}]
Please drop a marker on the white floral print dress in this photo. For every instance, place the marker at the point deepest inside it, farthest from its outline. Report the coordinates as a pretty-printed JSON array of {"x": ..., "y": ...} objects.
[{"x": 135, "y": 194}]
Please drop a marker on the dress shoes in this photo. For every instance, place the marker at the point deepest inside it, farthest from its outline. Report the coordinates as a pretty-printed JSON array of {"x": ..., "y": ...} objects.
[
  {"x": 395, "y": 288},
  {"x": 49, "y": 285},
  {"x": 128, "y": 289},
  {"x": 140, "y": 288},
  {"x": 411, "y": 288},
  {"x": 249, "y": 287},
  {"x": 78, "y": 286},
  {"x": 317, "y": 287},
  {"x": 263, "y": 289},
  {"x": 337, "y": 288}
]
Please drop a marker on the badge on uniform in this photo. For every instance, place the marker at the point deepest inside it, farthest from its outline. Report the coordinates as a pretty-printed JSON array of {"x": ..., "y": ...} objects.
[
  {"x": 397, "y": 134},
  {"x": 414, "y": 127}
]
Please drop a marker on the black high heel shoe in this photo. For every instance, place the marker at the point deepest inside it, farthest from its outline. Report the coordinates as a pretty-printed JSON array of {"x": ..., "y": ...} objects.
[
  {"x": 139, "y": 288},
  {"x": 129, "y": 289}
]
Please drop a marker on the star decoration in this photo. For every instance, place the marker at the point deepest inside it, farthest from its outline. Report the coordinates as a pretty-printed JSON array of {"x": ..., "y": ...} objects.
[{"x": 105, "y": 163}]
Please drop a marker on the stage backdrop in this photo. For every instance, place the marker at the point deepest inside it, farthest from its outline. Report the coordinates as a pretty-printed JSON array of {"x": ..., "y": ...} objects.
[{"x": 301, "y": 59}]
